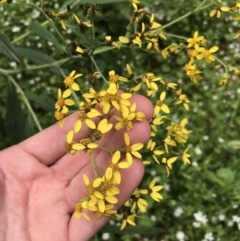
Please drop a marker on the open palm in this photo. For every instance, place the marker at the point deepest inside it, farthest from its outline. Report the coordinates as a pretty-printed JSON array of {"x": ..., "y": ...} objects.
[{"x": 40, "y": 183}]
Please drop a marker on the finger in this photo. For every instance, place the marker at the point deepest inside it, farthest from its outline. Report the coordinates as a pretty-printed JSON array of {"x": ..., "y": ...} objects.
[
  {"x": 49, "y": 145},
  {"x": 69, "y": 166},
  {"x": 101, "y": 160},
  {"x": 131, "y": 178}
]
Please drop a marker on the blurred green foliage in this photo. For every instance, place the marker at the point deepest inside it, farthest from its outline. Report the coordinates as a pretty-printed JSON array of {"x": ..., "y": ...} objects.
[{"x": 211, "y": 184}]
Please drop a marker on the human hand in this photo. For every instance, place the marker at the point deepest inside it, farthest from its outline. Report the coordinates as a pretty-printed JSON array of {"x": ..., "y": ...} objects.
[{"x": 40, "y": 183}]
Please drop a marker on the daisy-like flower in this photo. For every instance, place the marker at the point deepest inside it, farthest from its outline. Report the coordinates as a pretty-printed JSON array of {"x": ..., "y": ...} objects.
[
  {"x": 193, "y": 42},
  {"x": 179, "y": 131},
  {"x": 126, "y": 120},
  {"x": 134, "y": 3},
  {"x": 132, "y": 150},
  {"x": 185, "y": 156},
  {"x": 79, "y": 209},
  {"x": 69, "y": 81},
  {"x": 116, "y": 164},
  {"x": 127, "y": 219},
  {"x": 63, "y": 100},
  {"x": 81, "y": 24},
  {"x": 168, "y": 163},
  {"x": 153, "y": 191},
  {"x": 157, "y": 121},
  {"x": 59, "y": 116},
  {"x": 112, "y": 98},
  {"x": 70, "y": 142},
  {"x": 109, "y": 41},
  {"x": 92, "y": 189},
  {"x": 182, "y": 99},
  {"x": 138, "y": 201},
  {"x": 218, "y": 11},
  {"x": 153, "y": 24},
  {"x": 109, "y": 211},
  {"x": 207, "y": 54},
  {"x": 115, "y": 78},
  {"x": 160, "y": 106},
  {"x": 85, "y": 144},
  {"x": 168, "y": 142},
  {"x": 102, "y": 128},
  {"x": 154, "y": 152},
  {"x": 150, "y": 79},
  {"x": 86, "y": 118}
]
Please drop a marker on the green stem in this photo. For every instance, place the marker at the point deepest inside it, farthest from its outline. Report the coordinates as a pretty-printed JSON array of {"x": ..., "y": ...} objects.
[
  {"x": 54, "y": 64},
  {"x": 25, "y": 100},
  {"x": 198, "y": 8},
  {"x": 94, "y": 165},
  {"x": 96, "y": 66},
  {"x": 175, "y": 36},
  {"x": 221, "y": 62}
]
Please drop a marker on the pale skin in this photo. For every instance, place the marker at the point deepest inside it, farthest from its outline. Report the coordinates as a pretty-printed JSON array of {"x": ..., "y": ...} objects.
[{"x": 40, "y": 183}]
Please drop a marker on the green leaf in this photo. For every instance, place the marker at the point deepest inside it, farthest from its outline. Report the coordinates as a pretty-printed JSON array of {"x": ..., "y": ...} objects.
[
  {"x": 29, "y": 126},
  {"x": 102, "y": 1},
  {"x": 226, "y": 174},
  {"x": 37, "y": 57},
  {"x": 7, "y": 49},
  {"x": 47, "y": 105},
  {"x": 37, "y": 28},
  {"x": 212, "y": 177},
  {"x": 132, "y": 230},
  {"x": 14, "y": 116}
]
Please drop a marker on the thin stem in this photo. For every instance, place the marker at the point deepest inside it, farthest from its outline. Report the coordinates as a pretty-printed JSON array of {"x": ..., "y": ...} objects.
[
  {"x": 25, "y": 100},
  {"x": 198, "y": 8},
  {"x": 175, "y": 36},
  {"x": 54, "y": 64},
  {"x": 96, "y": 66},
  {"x": 94, "y": 165}
]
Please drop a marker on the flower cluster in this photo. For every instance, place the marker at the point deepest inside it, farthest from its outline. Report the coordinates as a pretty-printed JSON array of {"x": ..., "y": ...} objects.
[{"x": 111, "y": 110}]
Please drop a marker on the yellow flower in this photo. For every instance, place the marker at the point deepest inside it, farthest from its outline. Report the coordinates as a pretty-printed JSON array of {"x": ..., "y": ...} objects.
[
  {"x": 127, "y": 219},
  {"x": 132, "y": 150},
  {"x": 79, "y": 207},
  {"x": 69, "y": 80},
  {"x": 115, "y": 78},
  {"x": 91, "y": 188},
  {"x": 194, "y": 75},
  {"x": 223, "y": 81},
  {"x": 193, "y": 42},
  {"x": 153, "y": 191},
  {"x": 112, "y": 98},
  {"x": 207, "y": 54},
  {"x": 102, "y": 128},
  {"x": 117, "y": 164},
  {"x": 153, "y": 24},
  {"x": 3, "y": 1},
  {"x": 137, "y": 201},
  {"x": 59, "y": 116},
  {"x": 80, "y": 24},
  {"x": 63, "y": 102},
  {"x": 168, "y": 163},
  {"x": 185, "y": 156},
  {"x": 168, "y": 142},
  {"x": 109, "y": 41},
  {"x": 160, "y": 106},
  {"x": 126, "y": 120},
  {"x": 218, "y": 11},
  {"x": 154, "y": 152},
  {"x": 70, "y": 142},
  {"x": 86, "y": 118}
]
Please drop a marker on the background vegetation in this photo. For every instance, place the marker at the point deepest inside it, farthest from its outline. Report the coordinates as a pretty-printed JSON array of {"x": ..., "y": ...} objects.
[{"x": 201, "y": 201}]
